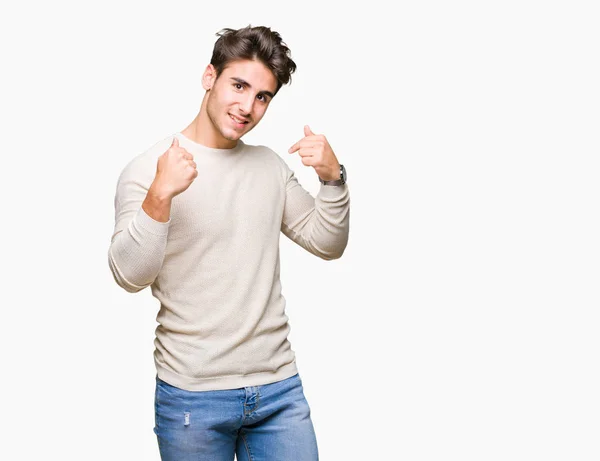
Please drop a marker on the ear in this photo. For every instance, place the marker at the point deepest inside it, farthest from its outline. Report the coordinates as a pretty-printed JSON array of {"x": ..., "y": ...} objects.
[{"x": 209, "y": 77}]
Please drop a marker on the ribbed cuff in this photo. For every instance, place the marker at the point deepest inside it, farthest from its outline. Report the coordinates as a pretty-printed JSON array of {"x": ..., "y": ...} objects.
[
  {"x": 150, "y": 224},
  {"x": 332, "y": 191}
]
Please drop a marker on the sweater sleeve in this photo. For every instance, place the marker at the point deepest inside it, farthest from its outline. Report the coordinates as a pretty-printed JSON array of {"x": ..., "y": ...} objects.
[
  {"x": 138, "y": 243},
  {"x": 318, "y": 224}
]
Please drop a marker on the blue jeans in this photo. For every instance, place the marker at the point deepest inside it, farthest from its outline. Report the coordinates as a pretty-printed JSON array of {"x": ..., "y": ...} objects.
[{"x": 256, "y": 423}]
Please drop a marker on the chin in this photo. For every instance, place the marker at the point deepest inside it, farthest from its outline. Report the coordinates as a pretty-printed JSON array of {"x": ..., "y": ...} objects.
[{"x": 231, "y": 135}]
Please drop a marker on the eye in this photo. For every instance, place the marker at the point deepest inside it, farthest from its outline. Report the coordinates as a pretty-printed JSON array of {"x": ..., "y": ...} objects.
[{"x": 240, "y": 86}]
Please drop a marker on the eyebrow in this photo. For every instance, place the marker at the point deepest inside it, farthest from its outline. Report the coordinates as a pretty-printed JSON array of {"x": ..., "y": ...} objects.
[{"x": 244, "y": 82}]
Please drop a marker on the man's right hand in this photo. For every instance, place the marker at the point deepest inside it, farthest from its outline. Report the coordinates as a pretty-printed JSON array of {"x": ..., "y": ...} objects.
[{"x": 175, "y": 171}]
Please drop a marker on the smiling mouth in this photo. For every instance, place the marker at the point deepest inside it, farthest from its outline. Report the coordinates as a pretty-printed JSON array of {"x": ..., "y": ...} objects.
[{"x": 238, "y": 121}]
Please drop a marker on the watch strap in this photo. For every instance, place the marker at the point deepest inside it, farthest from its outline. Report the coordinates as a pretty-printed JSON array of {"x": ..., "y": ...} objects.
[{"x": 335, "y": 182}]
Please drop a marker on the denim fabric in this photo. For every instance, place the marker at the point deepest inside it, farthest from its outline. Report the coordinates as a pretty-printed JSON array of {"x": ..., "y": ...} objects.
[{"x": 256, "y": 423}]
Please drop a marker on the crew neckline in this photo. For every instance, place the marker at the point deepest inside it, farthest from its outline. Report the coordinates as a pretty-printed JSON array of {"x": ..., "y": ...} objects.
[{"x": 202, "y": 148}]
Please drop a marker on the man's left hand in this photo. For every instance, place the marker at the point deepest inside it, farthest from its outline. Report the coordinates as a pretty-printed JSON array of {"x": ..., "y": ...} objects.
[{"x": 315, "y": 151}]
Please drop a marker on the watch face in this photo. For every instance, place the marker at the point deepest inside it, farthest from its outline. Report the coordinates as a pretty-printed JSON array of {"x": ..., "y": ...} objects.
[{"x": 343, "y": 173}]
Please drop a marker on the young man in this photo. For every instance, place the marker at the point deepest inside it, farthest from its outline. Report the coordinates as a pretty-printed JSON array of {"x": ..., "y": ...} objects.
[{"x": 198, "y": 218}]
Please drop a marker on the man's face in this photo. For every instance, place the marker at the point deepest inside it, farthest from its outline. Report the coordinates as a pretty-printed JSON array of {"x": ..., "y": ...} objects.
[{"x": 239, "y": 98}]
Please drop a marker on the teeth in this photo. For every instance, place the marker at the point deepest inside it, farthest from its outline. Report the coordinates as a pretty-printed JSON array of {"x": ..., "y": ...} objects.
[{"x": 237, "y": 119}]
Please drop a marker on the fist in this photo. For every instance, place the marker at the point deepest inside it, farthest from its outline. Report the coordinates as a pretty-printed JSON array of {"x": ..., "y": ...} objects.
[
  {"x": 315, "y": 151},
  {"x": 175, "y": 170}
]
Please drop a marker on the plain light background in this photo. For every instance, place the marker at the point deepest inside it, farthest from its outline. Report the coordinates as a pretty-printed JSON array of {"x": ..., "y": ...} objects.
[{"x": 461, "y": 322}]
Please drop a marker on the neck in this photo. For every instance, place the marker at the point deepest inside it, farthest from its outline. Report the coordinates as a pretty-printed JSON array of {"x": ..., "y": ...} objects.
[{"x": 202, "y": 131}]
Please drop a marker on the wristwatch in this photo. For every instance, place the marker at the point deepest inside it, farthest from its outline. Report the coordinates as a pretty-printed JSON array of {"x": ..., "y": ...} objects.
[{"x": 337, "y": 182}]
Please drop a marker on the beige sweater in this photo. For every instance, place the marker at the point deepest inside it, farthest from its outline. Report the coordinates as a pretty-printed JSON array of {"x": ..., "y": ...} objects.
[{"x": 214, "y": 266}]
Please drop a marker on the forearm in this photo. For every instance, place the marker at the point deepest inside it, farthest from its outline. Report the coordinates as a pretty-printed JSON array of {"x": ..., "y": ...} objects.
[
  {"x": 320, "y": 225},
  {"x": 157, "y": 204},
  {"x": 137, "y": 252}
]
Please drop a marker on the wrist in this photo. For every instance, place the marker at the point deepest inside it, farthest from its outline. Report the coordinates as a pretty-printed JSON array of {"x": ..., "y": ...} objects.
[
  {"x": 159, "y": 193},
  {"x": 335, "y": 179},
  {"x": 333, "y": 174},
  {"x": 331, "y": 177}
]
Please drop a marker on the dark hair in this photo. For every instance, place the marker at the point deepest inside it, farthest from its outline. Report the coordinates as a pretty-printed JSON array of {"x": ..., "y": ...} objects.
[{"x": 254, "y": 43}]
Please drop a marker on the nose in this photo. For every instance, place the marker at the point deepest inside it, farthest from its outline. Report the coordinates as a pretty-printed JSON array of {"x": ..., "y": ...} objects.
[{"x": 247, "y": 104}]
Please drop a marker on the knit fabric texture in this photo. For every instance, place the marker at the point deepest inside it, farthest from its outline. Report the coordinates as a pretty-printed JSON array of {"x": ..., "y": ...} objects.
[{"x": 214, "y": 265}]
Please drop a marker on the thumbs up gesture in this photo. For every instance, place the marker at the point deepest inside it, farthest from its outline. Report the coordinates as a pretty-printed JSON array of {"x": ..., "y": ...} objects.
[
  {"x": 175, "y": 170},
  {"x": 315, "y": 151}
]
